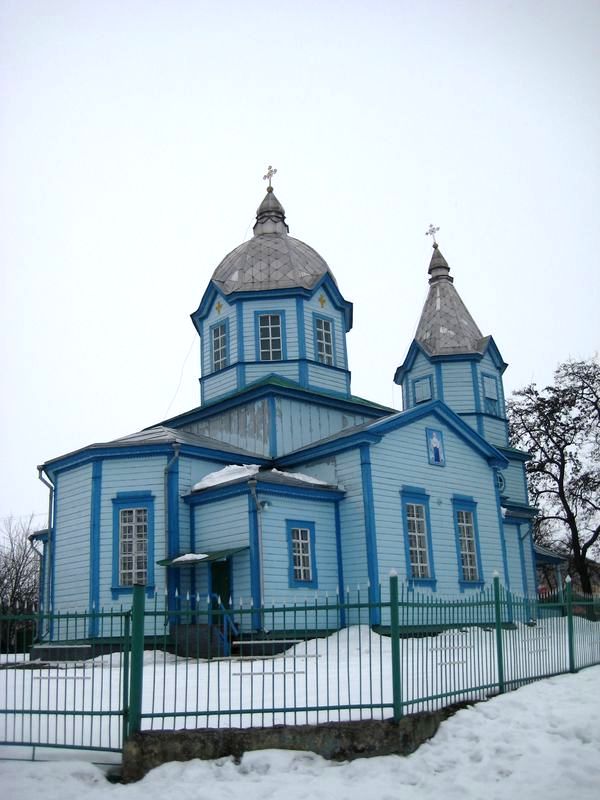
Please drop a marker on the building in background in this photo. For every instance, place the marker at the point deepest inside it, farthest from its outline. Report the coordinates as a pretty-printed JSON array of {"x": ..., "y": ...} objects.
[{"x": 282, "y": 485}]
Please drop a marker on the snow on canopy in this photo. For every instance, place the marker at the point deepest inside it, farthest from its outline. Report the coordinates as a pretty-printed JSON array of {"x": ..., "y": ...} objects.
[{"x": 236, "y": 472}]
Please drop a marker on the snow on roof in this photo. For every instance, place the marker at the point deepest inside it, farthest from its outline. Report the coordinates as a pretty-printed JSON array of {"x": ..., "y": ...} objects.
[
  {"x": 235, "y": 472},
  {"x": 190, "y": 557},
  {"x": 232, "y": 472}
]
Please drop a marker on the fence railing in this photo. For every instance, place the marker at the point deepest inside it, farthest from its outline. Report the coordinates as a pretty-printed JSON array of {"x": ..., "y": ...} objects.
[{"x": 202, "y": 664}]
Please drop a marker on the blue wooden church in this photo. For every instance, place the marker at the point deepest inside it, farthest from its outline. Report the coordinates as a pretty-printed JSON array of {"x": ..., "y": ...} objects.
[{"x": 282, "y": 484}]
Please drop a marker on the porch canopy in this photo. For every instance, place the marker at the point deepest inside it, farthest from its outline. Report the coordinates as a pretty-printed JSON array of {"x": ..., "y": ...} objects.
[{"x": 191, "y": 559}]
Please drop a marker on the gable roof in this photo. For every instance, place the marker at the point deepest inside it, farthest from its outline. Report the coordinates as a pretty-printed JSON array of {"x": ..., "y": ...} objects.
[{"x": 154, "y": 441}]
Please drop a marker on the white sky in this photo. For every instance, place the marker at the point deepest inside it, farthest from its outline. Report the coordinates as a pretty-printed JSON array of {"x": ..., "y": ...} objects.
[{"x": 133, "y": 140}]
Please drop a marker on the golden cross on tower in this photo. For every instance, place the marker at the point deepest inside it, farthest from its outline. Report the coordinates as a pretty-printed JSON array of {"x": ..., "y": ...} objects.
[
  {"x": 431, "y": 231},
  {"x": 268, "y": 176}
]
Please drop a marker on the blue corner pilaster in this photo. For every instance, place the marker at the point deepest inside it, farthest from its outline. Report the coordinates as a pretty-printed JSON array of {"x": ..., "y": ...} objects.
[
  {"x": 338, "y": 547},
  {"x": 477, "y": 397},
  {"x": 439, "y": 382},
  {"x": 370, "y": 530},
  {"x": 255, "y": 565},
  {"x": 94, "y": 590},
  {"x": 272, "y": 427},
  {"x": 173, "y": 575}
]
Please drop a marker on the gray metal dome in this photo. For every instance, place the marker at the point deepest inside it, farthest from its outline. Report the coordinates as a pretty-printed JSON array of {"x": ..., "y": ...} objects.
[{"x": 271, "y": 259}]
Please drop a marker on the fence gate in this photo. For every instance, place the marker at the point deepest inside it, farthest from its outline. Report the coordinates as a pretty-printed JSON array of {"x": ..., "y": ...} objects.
[{"x": 70, "y": 693}]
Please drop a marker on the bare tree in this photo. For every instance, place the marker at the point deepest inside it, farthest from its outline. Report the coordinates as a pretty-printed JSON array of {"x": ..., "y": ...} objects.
[
  {"x": 19, "y": 565},
  {"x": 560, "y": 427}
]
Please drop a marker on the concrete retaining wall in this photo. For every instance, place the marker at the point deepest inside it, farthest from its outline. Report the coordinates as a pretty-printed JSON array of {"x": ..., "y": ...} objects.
[{"x": 339, "y": 741}]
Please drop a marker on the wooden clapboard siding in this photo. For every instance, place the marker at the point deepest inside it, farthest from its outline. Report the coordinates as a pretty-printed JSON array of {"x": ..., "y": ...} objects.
[
  {"x": 246, "y": 426},
  {"x": 514, "y": 477},
  {"x": 72, "y": 539},
  {"x": 401, "y": 459},
  {"x": 300, "y": 423},
  {"x": 458, "y": 386},
  {"x": 130, "y": 475},
  {"x": 276, "y": 557}
]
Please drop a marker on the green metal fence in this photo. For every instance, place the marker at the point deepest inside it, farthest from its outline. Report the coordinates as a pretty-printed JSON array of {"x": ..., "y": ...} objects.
[
  {"x": 73, "y": 694},
  {"x": 201, "y": 664}
]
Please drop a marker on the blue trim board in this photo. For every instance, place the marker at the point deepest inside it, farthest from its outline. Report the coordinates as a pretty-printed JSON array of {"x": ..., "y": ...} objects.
[
  {"x": 137, "y": 499},
  {"x": 326, "y": 282},
  {"x": 173, "y": 575},
  {"x": 417, "y": 496},
  {"x": 276, "y": 312},
  {"x": 93, "y": 452},
  {"x": 272, "y": 427},
  {"x": 439, "y": 381},
  {"x": 211, "y": 350},
  {"x": 476, "y": 397},
  {"x": 94, "y": 575},
  {"x": 370, "y": 530},
  {"x": 501, "y": 529},
  {"x": 340, "y": 563},
  {"x": 310, "y": 492},
  {"x": 462, "y": 503},
  {"x": 523, "y": 565},
  {"x": 255, "y": 565},
  {"x": 303, "y": 366},
  {"x": 192, "y": 514},
  {"x": 240, "y": 369},
  {"x": 293, "y": 582}
]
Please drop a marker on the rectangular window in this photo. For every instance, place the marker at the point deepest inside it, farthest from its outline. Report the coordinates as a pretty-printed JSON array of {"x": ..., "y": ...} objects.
[
  {"x": 418, "y": 551},
  {"x": 269, "y": 333},
  {"x": 422, "y": 390},
  {"x": 219, "y": 347},
  {"x": 324, "y": 341},
  {"x": 301, "y": 555},
  {"x": 417, "y": 540},
  {"x": 490, "y": 393},
  {"x": 133, "y": 546},
  {"x": 467, "y": 545}
]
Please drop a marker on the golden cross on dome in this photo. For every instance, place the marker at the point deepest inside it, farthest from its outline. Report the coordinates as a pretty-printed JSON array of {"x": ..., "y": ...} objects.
[
  {"x": 431, "y": 231},
  {"x": 219, "y": 306},
  {"x": 268, "y": 176}
]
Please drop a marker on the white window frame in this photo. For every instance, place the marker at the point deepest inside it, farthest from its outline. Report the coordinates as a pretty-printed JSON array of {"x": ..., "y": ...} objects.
[
  {"x": 133, "y": 545},
  {"x": 324, "y": 337},
  {"x": 418, "y": 548},
  {"x": 301, "y": 554},
  {"x": 219, "y": 346},
  {"x": 465, "y": 522},
  {"x": 270, "y": 330}
]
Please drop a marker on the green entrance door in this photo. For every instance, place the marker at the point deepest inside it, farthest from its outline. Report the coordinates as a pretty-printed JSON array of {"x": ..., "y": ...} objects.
[{"x": 220, "y": 575}]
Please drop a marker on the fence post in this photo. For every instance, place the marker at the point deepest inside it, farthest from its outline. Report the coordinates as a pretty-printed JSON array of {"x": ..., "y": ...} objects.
[
  {"x": 395, "y": 637},
  {"x": 569, "y": 598},
  {"x": 499, "y": 645},
  {"x": 137, "y": 659}
]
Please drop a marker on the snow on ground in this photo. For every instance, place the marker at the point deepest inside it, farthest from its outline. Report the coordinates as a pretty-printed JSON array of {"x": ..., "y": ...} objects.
[{"x": 540, "y": 741}]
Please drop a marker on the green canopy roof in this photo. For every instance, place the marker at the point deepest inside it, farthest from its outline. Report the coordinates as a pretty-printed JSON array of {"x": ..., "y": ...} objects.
[{"x": 192, "y": 559}]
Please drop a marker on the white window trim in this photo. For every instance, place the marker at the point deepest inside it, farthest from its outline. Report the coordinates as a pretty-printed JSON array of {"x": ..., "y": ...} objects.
[
  {"x": 135, "y": 574},
  {"x": 418, "y": 549}
]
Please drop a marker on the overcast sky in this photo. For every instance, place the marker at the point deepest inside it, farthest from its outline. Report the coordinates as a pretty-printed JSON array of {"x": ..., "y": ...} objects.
[{"x": 133, "y": 140}]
